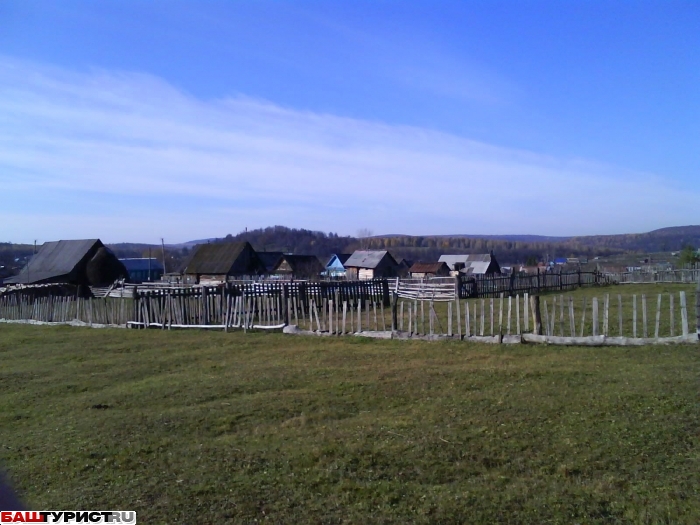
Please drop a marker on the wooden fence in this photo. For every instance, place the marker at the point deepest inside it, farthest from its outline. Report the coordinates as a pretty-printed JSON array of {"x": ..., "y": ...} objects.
[
  {"x": 610, "y": 319},
  {"x": 316, "y": 306},
  {"x": 495, "y": 285},
  {"x": 417, "y": 308},
  {"x": 65, "y": 309},
  {"x": 659, "y": 276},
  {"x": 435, "y": 289}
]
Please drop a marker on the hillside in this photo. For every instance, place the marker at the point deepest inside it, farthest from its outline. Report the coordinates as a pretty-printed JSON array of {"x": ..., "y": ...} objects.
[
  {"x": 13, "y": 257},
  {"x": 664, "y": 239},
  {"x": 292, "y": 240},
  {"x": 510, "y": 249}
]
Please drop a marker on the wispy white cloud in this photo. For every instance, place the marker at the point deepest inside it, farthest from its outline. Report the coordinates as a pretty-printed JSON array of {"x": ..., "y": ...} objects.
[{"x": 135, "y": 158}]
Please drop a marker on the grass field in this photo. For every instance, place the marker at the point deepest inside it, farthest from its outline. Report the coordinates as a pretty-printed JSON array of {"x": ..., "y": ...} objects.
[{"x": 197, "y": 427}]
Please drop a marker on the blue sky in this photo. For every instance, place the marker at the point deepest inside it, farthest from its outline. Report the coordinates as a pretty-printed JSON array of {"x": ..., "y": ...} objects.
[{"x": 134, "y": 120}]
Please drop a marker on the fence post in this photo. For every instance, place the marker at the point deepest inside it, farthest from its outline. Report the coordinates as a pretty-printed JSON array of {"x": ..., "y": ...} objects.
[
  {"x": 394, "y": 315},
  {"x": 684, "y": 314},
  {"x": 135, "y": 304},
  {"x": 697, "y": 308},
  {"x": 386, "y": 299},
  {"x": 285, "y": 299},
  {"x": 512, "y": 281},
  {"x": 538, "y": 316},
  {"x": 579, "y": 277}
]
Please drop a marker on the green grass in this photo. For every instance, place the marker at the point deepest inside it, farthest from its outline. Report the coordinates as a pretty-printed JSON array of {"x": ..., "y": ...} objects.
[{"x": 199, "y": 427}]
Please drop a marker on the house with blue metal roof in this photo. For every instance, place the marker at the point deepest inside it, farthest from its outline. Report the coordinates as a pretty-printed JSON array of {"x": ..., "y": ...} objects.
[{"x": 335, "y": 267}]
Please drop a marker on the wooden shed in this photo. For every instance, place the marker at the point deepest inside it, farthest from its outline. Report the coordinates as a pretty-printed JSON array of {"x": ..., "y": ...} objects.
[
  {"x": 429, "y": 269},
  {"x": 371, "y": 264},
  {"x": 80, "y": 262},
  {"x": 298, "y": 267},
  {"x": 221, "y": 262}
]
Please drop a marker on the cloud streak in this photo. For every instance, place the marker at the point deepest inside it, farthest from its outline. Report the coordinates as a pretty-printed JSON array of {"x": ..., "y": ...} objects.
[{"x": 126, "y": 156}]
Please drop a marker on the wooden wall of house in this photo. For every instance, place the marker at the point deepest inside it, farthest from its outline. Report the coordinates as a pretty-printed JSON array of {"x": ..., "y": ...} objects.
[
  {"x": 386, "y": 268},
  {"x": 365, "y": 274}
]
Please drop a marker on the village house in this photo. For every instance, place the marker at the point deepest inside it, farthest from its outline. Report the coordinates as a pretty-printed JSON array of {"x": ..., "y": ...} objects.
[
  {"x": 472, "y": 264},
  {"x": 143, "y": 269},
  {"x": 270, "y": 259},
  {"x": 221, "y": 262},
  {"x": 298, "y": 267},
  {"x": 429, "y": 269},
  {"x": 80, "y": 262},
  {"x": 404, "y": 267},
  {"x": 335, "y": 267},
  {"x": 371, "y": 264}
]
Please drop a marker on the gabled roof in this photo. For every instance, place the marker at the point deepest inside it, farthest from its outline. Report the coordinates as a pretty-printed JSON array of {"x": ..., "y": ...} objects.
[
  {"x": 307, "y": 264},
  {"x": 367, "y": 259},
  {"x": 477, "y": 267},
  {"x": 55, "y": 259},
  {"x": 216, "y": 258},
  {"x": 341, "y": 257},
  {"x": 428, "y": 267},
  {"x": 142, "y": 264},
  {"x": 270, "y": 259},
  {"x": 465, "y": 259}
]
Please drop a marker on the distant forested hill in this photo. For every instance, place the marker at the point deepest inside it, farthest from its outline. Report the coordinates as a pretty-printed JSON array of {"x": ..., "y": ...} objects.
[
  {"x": 510, "y": 249},
  {"x": 13, "y": 257},
  {"x": 292, "y": 240},
  {"x": 427, "y": 248},
  {"x": 665, "y": 239}
]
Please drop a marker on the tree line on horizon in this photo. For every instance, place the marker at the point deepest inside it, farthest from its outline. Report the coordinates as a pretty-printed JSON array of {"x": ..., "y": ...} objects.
[
  {"x": 415, "y": 247},
  {"x": 411, "y": 247}
]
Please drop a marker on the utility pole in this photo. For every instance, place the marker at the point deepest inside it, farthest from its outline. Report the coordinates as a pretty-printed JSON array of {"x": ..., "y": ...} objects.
[{"x": 162, "y": 245}]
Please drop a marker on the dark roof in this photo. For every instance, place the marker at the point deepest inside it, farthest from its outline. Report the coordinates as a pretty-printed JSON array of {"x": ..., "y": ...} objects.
[
  {"x": 270, "y": 259},
  {"x": 219, "y": 259},
  {"x": 367, "y": 259},
  {"x": 142, "y": 264},
  {"x": 308, "y": 264},
  {"x": 342, "y": 257},
  {"x": 429, "y": 267},
  {"x": 55, "y": 259}
]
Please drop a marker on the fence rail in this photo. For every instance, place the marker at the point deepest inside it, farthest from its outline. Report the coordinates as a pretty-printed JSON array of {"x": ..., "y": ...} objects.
[
  {"x": 659, "y": 276},
  {"x": 65, "y": 309},
  {"x": 494, "y": 285}
]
